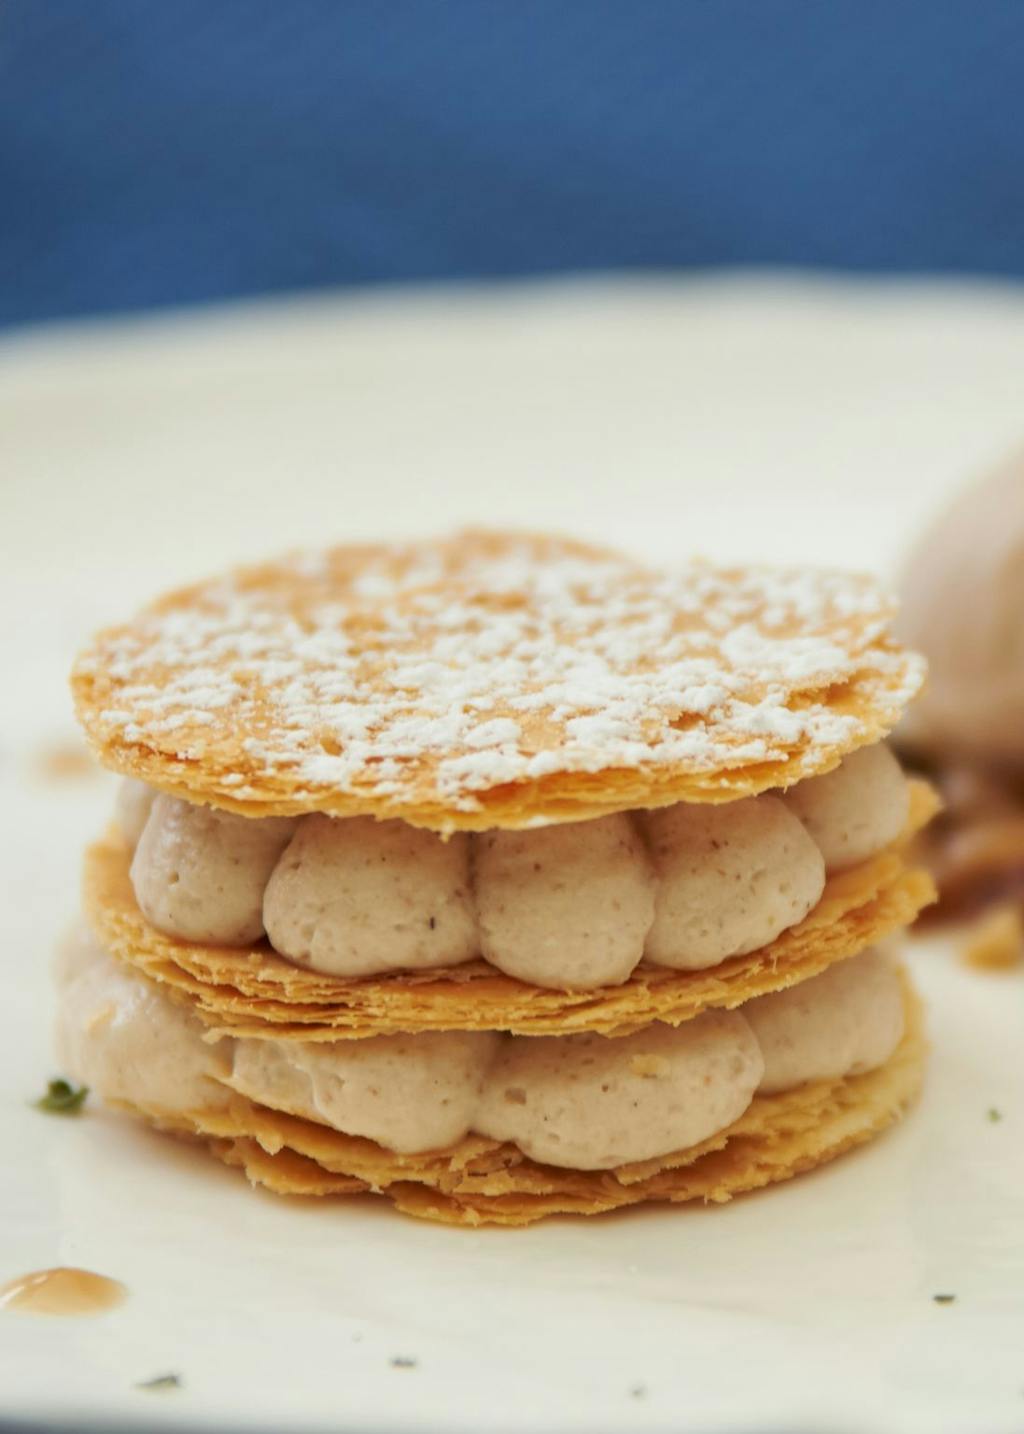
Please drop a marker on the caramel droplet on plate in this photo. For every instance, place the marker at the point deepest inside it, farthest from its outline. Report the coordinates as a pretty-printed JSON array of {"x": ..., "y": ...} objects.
[{"x": 61, "y": 1291}]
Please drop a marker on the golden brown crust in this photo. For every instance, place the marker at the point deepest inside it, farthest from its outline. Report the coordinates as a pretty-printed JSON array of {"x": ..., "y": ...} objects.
[
  {"x": 482, "y": 1181},
  {"x": 255, "y": 992},
  {"x": 491, "y": 680}
]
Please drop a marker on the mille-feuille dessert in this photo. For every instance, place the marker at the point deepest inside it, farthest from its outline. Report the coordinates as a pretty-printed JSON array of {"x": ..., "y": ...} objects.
[{"x": 502, "y": 876}]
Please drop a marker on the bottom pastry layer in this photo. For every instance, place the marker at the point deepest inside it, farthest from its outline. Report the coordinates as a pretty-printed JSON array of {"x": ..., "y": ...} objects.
[{"x": 480, "y": 1181}]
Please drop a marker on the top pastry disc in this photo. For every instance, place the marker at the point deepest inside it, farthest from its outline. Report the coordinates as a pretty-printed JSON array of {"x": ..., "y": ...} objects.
[{"x": 491, "y": 680}]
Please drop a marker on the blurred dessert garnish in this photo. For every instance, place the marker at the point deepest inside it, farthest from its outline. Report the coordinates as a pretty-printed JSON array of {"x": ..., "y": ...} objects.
[
  {"x": 963, "y": 607},
  {"x": 68, "y": 760},
  {"x": 996, "y": 940},
  {"x": 160, "y": 1383},
  {"x": 62, "y": 1098}
]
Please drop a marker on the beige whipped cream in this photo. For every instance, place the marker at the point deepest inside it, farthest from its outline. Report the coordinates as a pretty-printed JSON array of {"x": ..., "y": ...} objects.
[
  {"x": 127, "y": 1039},
  {"x": 569, "y": 904},
  {"x": 848, "y": 1019},
  {"x": 200, "y": 874},
  {"x": 358, "y": 896},
  {"x": 408, "y": 1093},
  {"x": 574, "y": 906},
  {"x": 585, "y": 1102},
  {"x": 592, "y": 1103},
  {"x": 732, "y": 877},
  {"x": 856, "y": 809}
]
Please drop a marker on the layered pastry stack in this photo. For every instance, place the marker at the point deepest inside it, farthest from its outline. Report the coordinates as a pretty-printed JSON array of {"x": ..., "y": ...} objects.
[{"x": 502, "y": 876}]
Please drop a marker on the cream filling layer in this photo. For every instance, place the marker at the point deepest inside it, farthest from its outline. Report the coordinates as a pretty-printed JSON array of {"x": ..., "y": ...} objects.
[
  {"x": 573, "y": 906},
  {"x": 585, "y": 1102}
]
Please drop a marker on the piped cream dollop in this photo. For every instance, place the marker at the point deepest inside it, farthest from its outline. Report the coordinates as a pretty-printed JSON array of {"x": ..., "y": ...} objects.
[
  {"x": 731, "y": 879},
  {"x": 565, "y": 905},
  {"x": 585, "y": 1102},
  {"x": 856, "y": 809},
  {"x": 408, "y": 1093},
  {"x": 125, "y": 1038},
  {"x": 199, "y": 874},
  {"x": 592, "y": 1103},
  {"x": 357, "y": 897},
  {"x": 847, "y": 1020},
  {"x": 573, "y": 906}
]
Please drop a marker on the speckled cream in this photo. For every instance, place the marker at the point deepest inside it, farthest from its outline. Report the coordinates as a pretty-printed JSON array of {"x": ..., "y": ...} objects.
[
  {"x": 731, "y": 878},
  {"x": 856, "y": 809},
  {"x": 200, "y": 874},
  {"x": 569, "y": 905},
  {"x": 355, "y": 897}
]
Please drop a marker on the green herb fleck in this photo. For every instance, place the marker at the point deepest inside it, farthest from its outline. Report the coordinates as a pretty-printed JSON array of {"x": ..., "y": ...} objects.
[
  {"x": 943, "y": 1299},
  {"x": 403, "y": 1361},
  {"x": 994, "y": 1115},
  {"x": 62, "y": 1098},
  {"x": 161, "y": 1381}
]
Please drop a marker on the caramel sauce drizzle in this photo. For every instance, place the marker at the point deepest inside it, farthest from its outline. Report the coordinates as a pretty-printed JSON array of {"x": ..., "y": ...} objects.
[{"x": 61, "y": 1291}]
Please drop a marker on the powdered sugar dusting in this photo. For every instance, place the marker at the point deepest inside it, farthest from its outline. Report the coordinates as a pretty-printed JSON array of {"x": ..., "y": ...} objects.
[{"x": 449, "y": 669}]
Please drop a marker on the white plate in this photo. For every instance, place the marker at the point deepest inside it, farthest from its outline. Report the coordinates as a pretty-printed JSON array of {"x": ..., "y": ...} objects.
[{"x": 739, "y": 418}]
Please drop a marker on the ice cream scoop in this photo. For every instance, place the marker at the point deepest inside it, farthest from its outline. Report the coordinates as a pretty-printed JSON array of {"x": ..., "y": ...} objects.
[{"x": 963, "y": 607}]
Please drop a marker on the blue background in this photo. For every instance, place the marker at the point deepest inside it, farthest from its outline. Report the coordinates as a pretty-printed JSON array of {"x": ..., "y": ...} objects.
[{"x": 188, "y": 150}]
